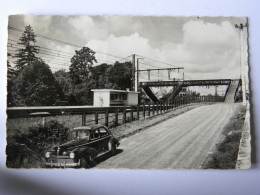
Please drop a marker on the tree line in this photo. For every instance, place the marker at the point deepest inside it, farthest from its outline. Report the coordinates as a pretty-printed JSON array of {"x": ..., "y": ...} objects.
[{"x": 32, "y": 83}]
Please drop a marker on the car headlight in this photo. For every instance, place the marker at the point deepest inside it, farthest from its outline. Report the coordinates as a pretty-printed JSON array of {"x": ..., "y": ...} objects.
[
  {"x": 48, "y": 154},
  {"x": 72, "y": 155}
]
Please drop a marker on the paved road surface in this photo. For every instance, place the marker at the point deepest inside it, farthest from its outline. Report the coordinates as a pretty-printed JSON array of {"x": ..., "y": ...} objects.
[{"x": 182, "y": 142}]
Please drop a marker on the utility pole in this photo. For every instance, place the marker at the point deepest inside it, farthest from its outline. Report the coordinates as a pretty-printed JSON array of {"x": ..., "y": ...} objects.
[
  {"x": 133, "y": 73},
  {"x": 242, "y": 62},
  {"x": 137, "y": 75}
]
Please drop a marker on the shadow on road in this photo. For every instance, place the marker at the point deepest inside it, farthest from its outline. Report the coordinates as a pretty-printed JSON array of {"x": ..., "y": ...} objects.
[{"x": 103, "y": 158}]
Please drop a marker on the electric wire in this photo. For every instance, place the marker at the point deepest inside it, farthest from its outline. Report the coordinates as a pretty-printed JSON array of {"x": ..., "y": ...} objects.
[
  {"x": 158, "y": 61},
  {"x": 63, "y": 42}
]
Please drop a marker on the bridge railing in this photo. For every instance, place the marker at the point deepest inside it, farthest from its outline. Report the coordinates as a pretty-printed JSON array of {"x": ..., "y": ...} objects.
[{"x": 239, "y": 84}]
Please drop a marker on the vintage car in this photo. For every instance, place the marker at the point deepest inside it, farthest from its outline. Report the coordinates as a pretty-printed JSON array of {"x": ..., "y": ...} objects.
[{"x": 84, "y": 144}]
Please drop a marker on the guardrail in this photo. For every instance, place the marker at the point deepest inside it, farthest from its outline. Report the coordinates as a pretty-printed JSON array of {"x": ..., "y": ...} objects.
[
  {"x": 121, "y": 115},
  {"x": 109, "y": 116}
]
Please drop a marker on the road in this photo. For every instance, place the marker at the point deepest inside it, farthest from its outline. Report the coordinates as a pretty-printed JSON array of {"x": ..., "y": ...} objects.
[{"x": 182, "y": 142}]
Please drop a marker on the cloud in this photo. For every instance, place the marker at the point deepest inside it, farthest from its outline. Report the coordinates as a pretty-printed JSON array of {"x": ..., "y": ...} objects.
[
  {"x": 207, "y": 50},
  {"x": 87, "y": 28},
  {"x": 122, "y": 46},
  {"x": 40, "y": 22}
]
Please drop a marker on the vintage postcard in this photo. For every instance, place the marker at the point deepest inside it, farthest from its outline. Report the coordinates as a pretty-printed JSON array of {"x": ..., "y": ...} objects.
[{"x": 134, "y": 92}]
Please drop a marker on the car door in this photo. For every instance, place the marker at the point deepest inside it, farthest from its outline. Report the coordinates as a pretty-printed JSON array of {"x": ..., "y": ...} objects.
[
  {"x": 104, "y": 138},
  {"x": 95, "y": 141}
]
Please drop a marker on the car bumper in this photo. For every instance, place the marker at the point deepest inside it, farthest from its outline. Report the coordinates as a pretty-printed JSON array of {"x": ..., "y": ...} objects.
[{"x": 62, "y": 164}]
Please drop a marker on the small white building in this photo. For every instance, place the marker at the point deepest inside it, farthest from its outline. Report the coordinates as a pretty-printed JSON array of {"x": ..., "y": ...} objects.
[{"x": 112, "y": 97}]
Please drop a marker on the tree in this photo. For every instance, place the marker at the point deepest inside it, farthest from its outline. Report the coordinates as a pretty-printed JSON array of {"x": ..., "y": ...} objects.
[
  {"x": 11, "y": 75},
  {"x": 26, "y": 55},
  {"x": 100, "y": 74},
  {"x": 121, "y": 74},
  {"x": 64, "y": 80},
  {"x": 80, "y": 64},
  {"x": 36, "y": 86}
]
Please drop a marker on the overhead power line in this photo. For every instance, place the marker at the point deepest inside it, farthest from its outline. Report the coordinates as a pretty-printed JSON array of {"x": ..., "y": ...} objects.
[
  {"x": 144, "y": 62},
  {"x": 63, "y": 42},
  {"x": 125, "y": 58},
  {"x": 157, "y": 61},
  {"x": 40, "y": 47},
  {"x": 57, "y": 56}
]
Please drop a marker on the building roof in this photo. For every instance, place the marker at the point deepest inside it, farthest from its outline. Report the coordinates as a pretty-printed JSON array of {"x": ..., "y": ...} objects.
[{"x": 113, "y": 90}]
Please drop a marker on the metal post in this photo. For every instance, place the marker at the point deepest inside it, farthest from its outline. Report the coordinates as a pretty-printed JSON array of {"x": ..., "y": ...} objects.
[
  {"x": 116, "y": 116},
  {"x": 106, "y": 118},
  {"x": 132, "y": 114},
  {"x": 137, "y": 111},
  {"x": 137, "y": 75},
  {"x": 96, "y": 117},
  {"x": 133, "y": 73},
  {"x": 83, "y": 119},
  {"x": 124, "y": 115},
  {"x": 43, "y": 121},
  {"x": 144, "y": 110},
  {"x": 242, "y": 66}
]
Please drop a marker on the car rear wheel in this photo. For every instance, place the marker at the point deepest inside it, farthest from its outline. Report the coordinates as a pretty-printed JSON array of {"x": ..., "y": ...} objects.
[{"x": 113, "y": 150}]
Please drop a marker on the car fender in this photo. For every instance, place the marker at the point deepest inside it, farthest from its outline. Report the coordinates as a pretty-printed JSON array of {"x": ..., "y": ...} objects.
[
  {"x": 84, "y": 151},
  {"x": 113, "y": 141}
]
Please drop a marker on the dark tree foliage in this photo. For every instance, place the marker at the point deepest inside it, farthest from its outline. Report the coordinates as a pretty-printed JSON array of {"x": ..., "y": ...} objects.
[
  {"x": 100, "y": 74},
  {"x": 80, "y": 64},
  {"x": 26, "y": 55},
  {"x": 36, "y": 86},
  {"x": 11, "y": 75},
  {"x": 64, "y": 81},
  {"x": 83, "y": 94},
  {"x": 120, "y": 74},
  {"x": 104, "y": 76}
]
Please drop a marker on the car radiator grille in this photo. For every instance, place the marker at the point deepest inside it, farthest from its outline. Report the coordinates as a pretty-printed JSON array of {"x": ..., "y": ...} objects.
[{"x": 60, "y": 159}]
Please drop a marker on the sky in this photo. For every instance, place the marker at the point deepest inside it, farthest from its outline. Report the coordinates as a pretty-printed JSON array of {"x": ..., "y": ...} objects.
[{"x": 207, "y": 47}]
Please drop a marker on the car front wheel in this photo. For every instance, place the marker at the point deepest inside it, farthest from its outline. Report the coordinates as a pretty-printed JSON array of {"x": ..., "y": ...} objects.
[{"x": 84, "y": 162}]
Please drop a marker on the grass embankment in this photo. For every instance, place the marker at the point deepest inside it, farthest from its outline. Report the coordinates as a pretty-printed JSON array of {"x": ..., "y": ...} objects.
[{"x": 224, "y": 154}]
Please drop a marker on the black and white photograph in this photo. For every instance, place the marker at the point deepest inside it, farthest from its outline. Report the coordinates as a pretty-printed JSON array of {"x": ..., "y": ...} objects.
[{"x": 127, "y": 92}]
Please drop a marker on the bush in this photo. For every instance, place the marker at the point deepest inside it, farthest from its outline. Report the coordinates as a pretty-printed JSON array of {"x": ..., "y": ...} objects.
[{"x": 28, "y": 149}]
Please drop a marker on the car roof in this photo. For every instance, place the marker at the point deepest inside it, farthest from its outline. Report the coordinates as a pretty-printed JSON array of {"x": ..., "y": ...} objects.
[{"x": 88, "y": 127}]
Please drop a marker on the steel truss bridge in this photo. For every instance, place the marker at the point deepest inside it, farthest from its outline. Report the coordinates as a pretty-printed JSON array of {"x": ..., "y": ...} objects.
[
  {"x": 179, "y": 84},
  {"x": 186, "y": 83}
]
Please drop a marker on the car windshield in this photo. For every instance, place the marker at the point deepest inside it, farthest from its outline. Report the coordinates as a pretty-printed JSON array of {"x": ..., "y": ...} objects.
[{"x": 79, "y": 134}]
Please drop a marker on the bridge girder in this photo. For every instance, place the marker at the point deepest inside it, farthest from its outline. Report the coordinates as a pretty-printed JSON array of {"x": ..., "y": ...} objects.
[{"x": 186, "y": 83}]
